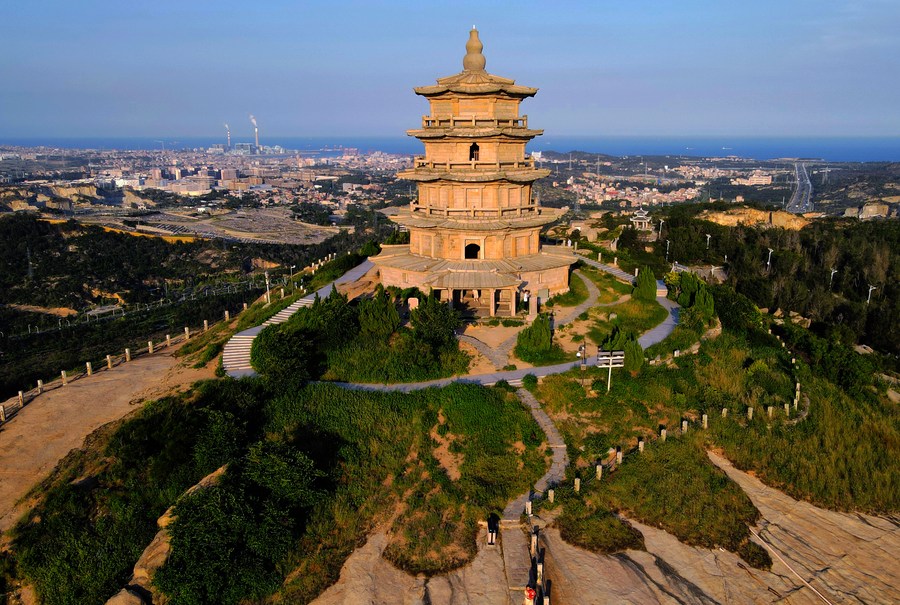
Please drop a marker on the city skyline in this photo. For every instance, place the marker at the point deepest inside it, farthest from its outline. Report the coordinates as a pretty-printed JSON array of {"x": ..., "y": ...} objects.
[{"x": 309, "y": 69}]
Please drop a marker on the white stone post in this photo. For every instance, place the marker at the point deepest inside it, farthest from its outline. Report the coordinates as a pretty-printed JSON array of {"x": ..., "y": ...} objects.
[
  {"x": 577, "y": 485},
  {"x": 227, "y": 315},
  {"x": 724, "y": 412},
  {"x": 168, "y": 340},
  {"x": 619, "y": 455},
  {"x": 89, "y": 368},
  {"x": 787, "y": 410},
  {"x": 528, "y": 507},
  {"x": 684, "y": 426},
  {"x": 65, "y": 378},
  {"x": 150, "y": 346},
  {"x": 40, "y": 388},
  {"x": 770, "y": 411},
  {"x": 550, "y": 496},
  {"x": 205, "y": 325},
  {"x": 187, "y": 333},
  {"x": 599, "y": 472},
  {"x": 662, "y": 435},
  {"x": 2, "y": 413},
  {"x": 749, "y": 413},
  {"x": 127, "y": 355},
  {"x": 705, "y": 421},
  {"x": 109, "y": 362},
  {"x": 245, "y": 306},
  {"x": 641, "y": 445},
  {"x": 21, "y": 399}
]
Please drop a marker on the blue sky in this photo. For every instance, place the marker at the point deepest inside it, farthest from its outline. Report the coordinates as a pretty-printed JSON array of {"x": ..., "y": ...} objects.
[{"x": 338, "y": 68}]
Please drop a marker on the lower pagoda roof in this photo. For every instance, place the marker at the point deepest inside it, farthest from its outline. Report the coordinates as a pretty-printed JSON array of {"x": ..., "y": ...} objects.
[
  {"x": 543, "y": 217},
  {"x": 550, "y": 257}
]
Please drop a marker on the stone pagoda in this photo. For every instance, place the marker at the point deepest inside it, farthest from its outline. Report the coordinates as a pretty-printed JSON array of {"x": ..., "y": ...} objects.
[{"x": 475, "y": 224}]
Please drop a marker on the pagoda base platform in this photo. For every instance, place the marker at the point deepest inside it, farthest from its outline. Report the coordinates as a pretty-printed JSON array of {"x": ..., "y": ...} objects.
[{"x": 482, "y": 287}]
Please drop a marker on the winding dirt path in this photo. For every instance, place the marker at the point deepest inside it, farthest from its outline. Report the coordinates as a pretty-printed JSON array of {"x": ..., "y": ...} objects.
[{"x": 34, "y": 441}]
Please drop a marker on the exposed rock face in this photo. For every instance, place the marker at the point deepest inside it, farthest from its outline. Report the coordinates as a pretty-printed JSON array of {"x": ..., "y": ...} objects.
[
  {"x": 753, "y": 217},
  {"x": 367, "y": 577},
  {"x": 140, "y": 590}
]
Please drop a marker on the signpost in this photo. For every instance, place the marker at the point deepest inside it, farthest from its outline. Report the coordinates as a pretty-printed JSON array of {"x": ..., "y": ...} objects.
[{"x": 610, "y": 359}]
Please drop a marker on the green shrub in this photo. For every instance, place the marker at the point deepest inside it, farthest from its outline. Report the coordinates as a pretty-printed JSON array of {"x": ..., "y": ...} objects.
[
  {"x": 645, "y": 285},
  {"x": 596, "y": 530},
  {"x": 535, "y": 343}
]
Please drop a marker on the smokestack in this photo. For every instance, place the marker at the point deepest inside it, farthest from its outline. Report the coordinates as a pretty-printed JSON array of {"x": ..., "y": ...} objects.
[
  {"x": 228, "y": 136},
  {"x": 255, "y": 130}
]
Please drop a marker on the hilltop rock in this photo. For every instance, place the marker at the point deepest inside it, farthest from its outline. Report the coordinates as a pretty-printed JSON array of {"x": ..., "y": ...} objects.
[{"x": 754, "y": 217}]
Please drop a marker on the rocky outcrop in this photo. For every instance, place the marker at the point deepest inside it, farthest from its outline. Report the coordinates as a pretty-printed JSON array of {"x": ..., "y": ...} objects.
[
  {"x": 140, "y": 589},
  {"x": 754, "y": 217}
]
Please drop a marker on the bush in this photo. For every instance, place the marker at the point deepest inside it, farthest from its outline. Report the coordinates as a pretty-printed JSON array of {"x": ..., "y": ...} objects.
[
  {"x": 535, "y": 343},
  {"x": 597, "y": 530},
  {"x": 645, "y": 286}
]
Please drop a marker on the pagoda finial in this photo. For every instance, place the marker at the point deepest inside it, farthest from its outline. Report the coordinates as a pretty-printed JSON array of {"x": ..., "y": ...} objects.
[{"x": 474, "y": 60}]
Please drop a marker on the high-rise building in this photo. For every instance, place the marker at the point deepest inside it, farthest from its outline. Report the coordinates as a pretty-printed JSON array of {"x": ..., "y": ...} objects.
[{"x": 475, "y": 224}]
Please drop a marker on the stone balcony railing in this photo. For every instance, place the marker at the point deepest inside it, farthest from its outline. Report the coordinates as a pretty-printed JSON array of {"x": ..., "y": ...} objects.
[
  {"x": 423, "y": 162},
  {"x": 474, "y": 122},
  {"x": 475, "y": 213}
]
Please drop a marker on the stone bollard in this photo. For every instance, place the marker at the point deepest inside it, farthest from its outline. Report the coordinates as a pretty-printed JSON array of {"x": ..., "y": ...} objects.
[
  {"x": 749, "y": 413},
  {"x": 528, "y": 507},
  {"x": 245, "y": 306},
  {"x": 89, "y": 368},
  {"x": 705, "y": 421},
  {"x": 770, "y": 410},
  {"x": 724, "y": 412},
  {"x": 2, "y": 413},
  {"x": 641, "y": 445},
  {"x": 168, "y": 341},
  {"x": 796, "y": 402},
  {"x": 635, "y": 271},
  {"x": 282, "y": 293},
  {"x": 109, "y": 362},
  {"x": 65, "y": 379},
  {"x": 599, "y": 472},
  {"x": 550, "y": 495},
  {"x": 787, "y": 410},
  {"x": 619, "y": 455},
  {"x": 227, "y": 316},
  {"x": 684, "y": 426},
  {"x": 40, "y": 388},
  {"x": 540, "y": 573},
  {"x": 205, "y": 325},
  {"x": 150, "y": 346},
  {"x": 187, "y": 333},
  {"x": 662, "y": 435},
  {"x": 21, "y": 399},
  {"x": 615, "y": 261},
  {"x": 793, "y": 361},
  {"x": 127, "y": 355},
  {"x": 533, "y": 545},
  {"x": 577, "y": 485}
]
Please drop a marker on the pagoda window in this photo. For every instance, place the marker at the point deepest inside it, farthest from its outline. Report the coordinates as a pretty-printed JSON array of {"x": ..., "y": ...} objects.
[
  {"x": 473, "y": 152},
  {"x": 473, "y": 251}
]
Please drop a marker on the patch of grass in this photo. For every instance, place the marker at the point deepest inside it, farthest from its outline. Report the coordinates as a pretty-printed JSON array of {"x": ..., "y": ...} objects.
[
  {"x": 576, "y": 295},
  {"x": 674, "y": 486},
  {"x": 595, "y": 529},
  {"x": 680, "y": 339},
  {"x": 632, "y": 317}
]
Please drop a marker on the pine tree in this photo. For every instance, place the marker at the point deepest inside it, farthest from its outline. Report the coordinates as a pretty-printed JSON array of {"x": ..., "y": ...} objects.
[
  {"x": 634, "y": 357},
  {"x": 645, "y": 286}
]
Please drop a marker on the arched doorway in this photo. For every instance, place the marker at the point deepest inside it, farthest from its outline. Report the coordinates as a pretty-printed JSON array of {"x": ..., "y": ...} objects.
[{"x": 473, "y": 251}]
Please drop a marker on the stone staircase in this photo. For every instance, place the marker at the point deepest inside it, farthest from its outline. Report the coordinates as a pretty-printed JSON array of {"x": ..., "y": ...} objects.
[{"x": 236, "y": 353}]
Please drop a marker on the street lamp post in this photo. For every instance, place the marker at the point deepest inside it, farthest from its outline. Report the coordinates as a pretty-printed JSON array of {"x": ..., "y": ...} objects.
[
  {"x": 708, "y": 236},
  {"x": 268, "y": 296},
  {"x": 769, "y": 261},
  {"x": 831, "y": 279},
  {"x": 668, "y": 243},
  {"x": 871, "y": 287}
]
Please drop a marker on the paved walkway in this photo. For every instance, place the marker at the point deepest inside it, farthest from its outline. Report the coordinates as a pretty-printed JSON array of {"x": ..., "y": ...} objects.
[
  {"x": 614, "y": 271},
  {"x": 236, "y": 353}
]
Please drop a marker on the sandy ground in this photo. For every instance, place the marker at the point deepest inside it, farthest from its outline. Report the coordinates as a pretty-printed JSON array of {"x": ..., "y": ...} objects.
[
  {"x": 479, "y": 363},
  {"x": 41, "y": 434}
]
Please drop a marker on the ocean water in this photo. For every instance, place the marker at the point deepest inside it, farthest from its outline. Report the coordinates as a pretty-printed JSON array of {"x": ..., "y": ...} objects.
[{"x": 833, "y": 149}]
